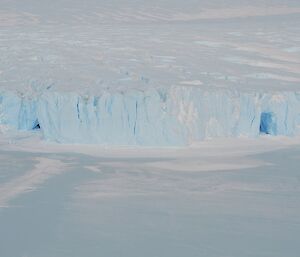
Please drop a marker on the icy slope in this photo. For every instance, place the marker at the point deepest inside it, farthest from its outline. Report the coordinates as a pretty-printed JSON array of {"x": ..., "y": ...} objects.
[{"x": 173, "y": 116}]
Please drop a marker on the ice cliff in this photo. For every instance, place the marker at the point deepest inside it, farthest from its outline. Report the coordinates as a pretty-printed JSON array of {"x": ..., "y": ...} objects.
[{"x": 154, "y": 117}]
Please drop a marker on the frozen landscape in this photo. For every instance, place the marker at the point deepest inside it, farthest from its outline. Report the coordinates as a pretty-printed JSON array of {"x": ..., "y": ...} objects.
[{"x": 162, "y": 128}]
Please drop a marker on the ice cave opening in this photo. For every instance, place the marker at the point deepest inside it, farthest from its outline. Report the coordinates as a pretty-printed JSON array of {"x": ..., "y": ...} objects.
[
  {"x": 36, "y": 125},
  {"x": 268, "y": 123}
]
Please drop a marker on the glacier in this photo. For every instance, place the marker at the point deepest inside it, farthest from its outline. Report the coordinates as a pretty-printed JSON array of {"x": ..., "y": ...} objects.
[
  {"x": 173, "y": 116},
  {"x": 163, "y": 73}
]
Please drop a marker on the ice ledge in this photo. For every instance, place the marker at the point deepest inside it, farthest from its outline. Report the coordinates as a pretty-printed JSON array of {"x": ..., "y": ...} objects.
[{"x": 154, "y": 117}]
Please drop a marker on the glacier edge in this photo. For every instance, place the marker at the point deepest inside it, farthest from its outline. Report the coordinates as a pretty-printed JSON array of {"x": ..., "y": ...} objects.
[{"x": 172, "y": 116}]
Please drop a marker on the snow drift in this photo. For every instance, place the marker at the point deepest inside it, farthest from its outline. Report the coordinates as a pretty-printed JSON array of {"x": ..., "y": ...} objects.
[{"x": 155, "y": 117}]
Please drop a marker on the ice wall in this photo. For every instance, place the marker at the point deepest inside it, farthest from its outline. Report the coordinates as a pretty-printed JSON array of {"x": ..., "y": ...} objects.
[{"x": 154, "y": 117}]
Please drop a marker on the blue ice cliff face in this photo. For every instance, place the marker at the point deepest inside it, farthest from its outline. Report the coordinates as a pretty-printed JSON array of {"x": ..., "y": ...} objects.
[{"x": 155, "y": 117}]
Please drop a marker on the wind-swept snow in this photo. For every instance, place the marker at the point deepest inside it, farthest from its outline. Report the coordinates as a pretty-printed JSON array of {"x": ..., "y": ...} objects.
[
  {"x": 30, "y": 181},
  {"x": 209, "y": 200}
]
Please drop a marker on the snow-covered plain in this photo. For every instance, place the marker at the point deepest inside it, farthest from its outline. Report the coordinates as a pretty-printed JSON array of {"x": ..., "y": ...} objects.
[
  {"x": 233, "y": 197},
  {"x": 218, "y": 78}
]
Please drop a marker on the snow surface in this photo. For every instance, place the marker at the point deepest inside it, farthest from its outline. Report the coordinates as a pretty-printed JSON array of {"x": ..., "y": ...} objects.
[
  {"x": 149, "y": 73},
  {"x": 229, "y": 197}
]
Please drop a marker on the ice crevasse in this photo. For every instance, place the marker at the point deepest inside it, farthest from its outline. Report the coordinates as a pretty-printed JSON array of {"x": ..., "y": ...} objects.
[{"x": 172, "y": 116}]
